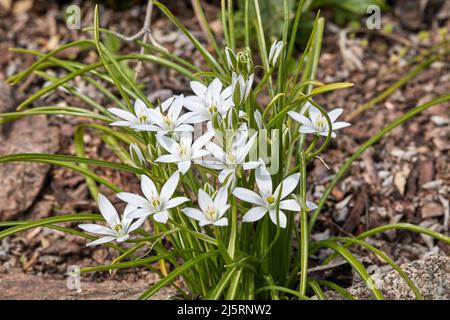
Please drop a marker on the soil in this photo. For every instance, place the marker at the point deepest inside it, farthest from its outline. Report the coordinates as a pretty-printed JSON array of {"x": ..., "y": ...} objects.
[{"x": 403, "y": 178}]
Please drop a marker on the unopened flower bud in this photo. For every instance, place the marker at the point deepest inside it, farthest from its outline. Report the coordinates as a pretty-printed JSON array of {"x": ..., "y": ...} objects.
[
  {"x": 244, "y": 63},
  {"x": 136, "y": 155},
  {"x": 240, "y": 88},
  {"x": 274, "y": 53},
  {"x": 231, "y": 58}
]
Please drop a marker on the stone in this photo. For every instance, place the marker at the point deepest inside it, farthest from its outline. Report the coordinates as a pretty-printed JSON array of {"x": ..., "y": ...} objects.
[
  {"x": 432, "y": 210},
  {"x": 431, "y": 275},
  {"x": 21, "y": 182}
]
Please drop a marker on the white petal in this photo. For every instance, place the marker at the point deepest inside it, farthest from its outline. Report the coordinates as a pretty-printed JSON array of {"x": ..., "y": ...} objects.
[
  {"x": 335, "y": 113},
  {"x": 175, "y": 109},
  {"x": 305, "y": 129},
  {"x": 289, "y": 185},
  {"x": 136, "y": 224},
  {"x": 168, "y": 158},
  {"x": 123, "y": 238},
  {"x": 313, "y": 111},
  {"x": 201, "y": 141},
  {"x": 195, "y": 104},
  {"x": 156, "y": 116},
  {"x": 226, "y": 93},
  {"x": 121, "y": 123},
  {"x": 198, "y": 88},
  {"x": 215, "y": 87},
  {"x": 290, "y": 205},
  {"x": 224, "y": 174},
  {"x": 263, "y": 180},
  {"x": 250, "y": 165},
  {"x": 216, "y": 151},
  {"x": 221, "y": 222},
  {"x": 248, "y": 196},
  {"x": 198, "y": 117},
  {"x": 161, "y": 217},
  {"x": 134, "y": 199},
  {"x": 199, "y": 154},
  {"x": 311, "y": 205},
  {"x": 128, "y": 209},
  {"x": 175, "y": 202},
  {"x": 222, "y": 210},
  {"x": 140, "y": 107},
  {"x": 242, "y": 152},
  {"x": 95, "y": 228},
  {"x": 123, "y": 114},
  {"x": 272, "y": 50},
  {"x": 216, "y": 165},
  {"x": 169, "y": 187},
  {"x": 107, "y": 209},
  {"x": 300, "y": 118},
  {"x": 183, "y": 128},
  {"x": 140, "y": 213},
  {"x": 145, "y": 127},
  {"x": 325, "y": 133},
  {"x": 204, "y": 222},
  {"x": 148, "y": 188},
  {"x": 282, "y": 217},
  {"x": 167, "y": 143},
  {"x": 184, "y": 166},
  {"x": 204, "y": 200},
  {"x": 339, "y": 125},
  {"x": 221, "y": 198},
  {"x": 100, "y": 241},
  {"x": 167, "y": 103},
  {"x": 193, "y": 213},
  {"x": 254, "y": 214}
]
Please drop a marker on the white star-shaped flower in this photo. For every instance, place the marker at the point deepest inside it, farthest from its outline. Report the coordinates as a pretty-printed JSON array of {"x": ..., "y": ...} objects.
[
  {"x": 229, "y": 161},
  {"x": 141, "y": 115},
  {"x": 117, "y": 229},
  {"x": 317, "y": 123},
  {"x": 154, "y": 202},
  {"x": 212, "y": 211},
  {"x": 208, "y": 101},
  {"x": 183, "y": 152},
  {"x": 167, "y": 118},
  {"x": 266, "y": 200}
]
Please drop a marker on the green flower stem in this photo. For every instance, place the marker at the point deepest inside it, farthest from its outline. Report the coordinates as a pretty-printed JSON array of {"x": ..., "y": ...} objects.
[
  {"x": 304, "y": 233},
  {"x": 222, "y": 248},
  {"x": 233, "y": 232}
]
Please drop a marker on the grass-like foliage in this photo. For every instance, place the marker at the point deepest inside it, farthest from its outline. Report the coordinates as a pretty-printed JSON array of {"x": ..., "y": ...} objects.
[{"x": 223, "y": 176}]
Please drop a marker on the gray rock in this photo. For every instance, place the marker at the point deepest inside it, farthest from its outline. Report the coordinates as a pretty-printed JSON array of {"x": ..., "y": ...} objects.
[
  {"x": 432, "y": 210},
  {"x": 21, "y": 182},
  {"x": 431, "y": 275}
]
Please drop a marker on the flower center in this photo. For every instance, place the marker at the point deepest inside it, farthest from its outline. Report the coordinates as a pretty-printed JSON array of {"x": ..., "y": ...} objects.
[
  {"x": 231, "y": 158},
  {"x": 156, "y": 202},
  {"x": 118, "y": 227},
  {"x": 211, "y": 212},
  {"x": 321, "y": 121},
  {"x": 184, "y": 150},
  {"x": 142, "y": 118},
  {"x": 270, "y": 199},
  {"x": 168, "y": 119},
  {"x": 212, "y": 108}
]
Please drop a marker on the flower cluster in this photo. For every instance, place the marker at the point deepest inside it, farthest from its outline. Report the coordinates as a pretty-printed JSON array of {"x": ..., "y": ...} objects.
[{"x": 172, "y": 123}]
